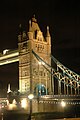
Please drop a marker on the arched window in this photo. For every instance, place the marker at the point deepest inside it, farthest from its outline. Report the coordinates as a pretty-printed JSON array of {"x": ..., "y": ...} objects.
[{"x": 40, "y": 90}]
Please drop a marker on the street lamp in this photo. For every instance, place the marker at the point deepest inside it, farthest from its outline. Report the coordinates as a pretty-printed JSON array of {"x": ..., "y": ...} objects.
[{"x": 30, "y": 96}]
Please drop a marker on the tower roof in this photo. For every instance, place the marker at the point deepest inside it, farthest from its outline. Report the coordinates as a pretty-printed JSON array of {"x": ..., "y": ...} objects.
[
  {"x": 34, "y": 19},
  {"x": 48, "y": 33}
]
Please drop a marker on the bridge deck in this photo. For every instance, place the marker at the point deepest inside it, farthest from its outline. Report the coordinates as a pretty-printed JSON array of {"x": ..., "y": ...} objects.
[
  {"x": 10, "y": 57},
  {"x": 75, "y": 97}
]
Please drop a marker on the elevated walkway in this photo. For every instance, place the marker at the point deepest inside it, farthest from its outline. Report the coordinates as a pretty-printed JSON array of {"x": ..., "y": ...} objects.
[{"x": 9, "y": 57}]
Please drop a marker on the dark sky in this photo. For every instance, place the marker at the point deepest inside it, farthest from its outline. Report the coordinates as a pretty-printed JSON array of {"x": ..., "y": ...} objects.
[{"x": 63, "y": 17}]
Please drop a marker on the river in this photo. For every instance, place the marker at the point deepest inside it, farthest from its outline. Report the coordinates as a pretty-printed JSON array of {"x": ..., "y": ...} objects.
[{"x": 23, "y": 116}]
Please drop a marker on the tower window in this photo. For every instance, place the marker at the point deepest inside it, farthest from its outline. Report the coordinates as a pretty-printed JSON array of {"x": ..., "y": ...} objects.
[{"x": 35, "y": 34}]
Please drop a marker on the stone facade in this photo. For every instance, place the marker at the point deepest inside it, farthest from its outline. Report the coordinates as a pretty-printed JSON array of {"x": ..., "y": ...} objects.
[{"x": 32, "y": 74}]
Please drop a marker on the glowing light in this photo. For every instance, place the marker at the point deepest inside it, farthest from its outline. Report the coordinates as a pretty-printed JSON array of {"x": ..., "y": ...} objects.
[
  {"x": 14, "y": 102},
  {"x": 5, "y": 51},
  {"x": 30, "y": 96},
  {"x": 11, "y": 106},
  {"x": 39, "y": 63},
  {"x": 7, "y": 102},
  {"x": 43, "y": 63},
  {"x": 63, "y": 104},
  {"x": 9, "y": 90},
  {"x": 23, "y": 103}
]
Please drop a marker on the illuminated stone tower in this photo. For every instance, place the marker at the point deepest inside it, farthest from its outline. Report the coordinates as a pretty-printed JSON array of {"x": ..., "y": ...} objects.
[{"x": 33, "y": 77}]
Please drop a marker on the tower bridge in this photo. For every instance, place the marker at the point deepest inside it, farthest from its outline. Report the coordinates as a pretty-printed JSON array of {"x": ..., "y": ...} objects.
[{"x": 37, "y": 73}]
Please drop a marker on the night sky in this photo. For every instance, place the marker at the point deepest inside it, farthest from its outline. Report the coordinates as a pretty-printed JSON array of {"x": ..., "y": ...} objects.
[{"x": 63, "y": 17}]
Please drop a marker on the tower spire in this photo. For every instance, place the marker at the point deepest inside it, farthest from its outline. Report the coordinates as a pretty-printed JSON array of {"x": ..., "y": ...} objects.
[
  {"x": 30, "y": 29},
  {"x": 20, "y": 33},
  {"x": 34, "y": 19},
  {"x": 48, "y": 37},
  {"x": 20, "y": 29},
  {"x": 9, "y": 90},
  {"x": 48, "y": 33}
]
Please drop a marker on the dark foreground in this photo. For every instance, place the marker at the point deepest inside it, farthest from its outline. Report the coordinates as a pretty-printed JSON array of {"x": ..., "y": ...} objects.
[{"x": 22, "y": 115}]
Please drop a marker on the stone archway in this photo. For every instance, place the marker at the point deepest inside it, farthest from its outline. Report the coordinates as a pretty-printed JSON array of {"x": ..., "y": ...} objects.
[{"x": 40, "y": 89}]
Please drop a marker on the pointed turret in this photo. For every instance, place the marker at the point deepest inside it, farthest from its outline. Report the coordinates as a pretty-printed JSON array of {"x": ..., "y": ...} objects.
[
  {"x": 24, "y": 36},
  {"x": 20, "y": 33},
  {"x": 9, "y": 90},
  {"x": 34, "y": 19},
  {"x": 48, "y": 33},
  {"x": 34, "y": 24},
  {"x": 20, "y": 29},
  {"x": 30, "y": 28},
  {"x": 30, "y": 33},
  {"x": 48, "y": 37}
]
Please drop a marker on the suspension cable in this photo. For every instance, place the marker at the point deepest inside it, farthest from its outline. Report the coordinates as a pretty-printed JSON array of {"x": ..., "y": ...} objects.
[{"x": 56, "y": 73}]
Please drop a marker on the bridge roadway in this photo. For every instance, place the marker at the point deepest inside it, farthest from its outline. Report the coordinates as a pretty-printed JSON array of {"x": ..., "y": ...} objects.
[
  {"x": 53, "y": 98},
  {"x": 9, "y": 57},
  {"x": 57, "y": 99},
  {"x": 66, "y": 97}
]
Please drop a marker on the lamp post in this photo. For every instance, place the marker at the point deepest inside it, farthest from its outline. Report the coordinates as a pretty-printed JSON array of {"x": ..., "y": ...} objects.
[{"x": 30, "y": 96}]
